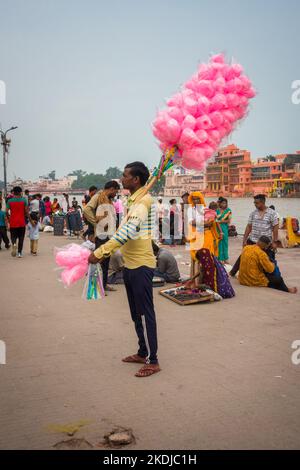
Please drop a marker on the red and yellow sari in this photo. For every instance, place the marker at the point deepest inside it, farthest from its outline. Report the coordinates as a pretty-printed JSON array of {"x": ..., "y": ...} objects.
[{"x": 211, "y": 237}]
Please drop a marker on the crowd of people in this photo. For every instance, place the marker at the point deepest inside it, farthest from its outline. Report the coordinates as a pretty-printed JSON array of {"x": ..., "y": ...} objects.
[
  {"x": 20, "y": 210},
  {"x": 126, "y": 241},
  {"x": 179, "y": 224}
]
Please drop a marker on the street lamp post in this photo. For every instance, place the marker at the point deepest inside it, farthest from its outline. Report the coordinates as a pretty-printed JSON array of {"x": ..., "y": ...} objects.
[{"x": 5, "y": 142}]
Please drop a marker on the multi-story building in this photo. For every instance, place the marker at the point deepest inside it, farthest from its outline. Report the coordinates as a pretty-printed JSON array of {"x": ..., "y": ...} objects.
[
  {"x": 46, "y": 184},
  {"x": 264, "y": 172},
  {"x": 179, "y": 181},
  {"x": 228, "y": 169},
  {"x": 232, "y": 173}
]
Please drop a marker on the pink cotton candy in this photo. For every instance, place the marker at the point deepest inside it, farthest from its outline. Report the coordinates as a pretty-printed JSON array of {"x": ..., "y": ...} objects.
[
  {"x": 205, "y": 111},
  {"x": 229, "y": 115},
  {"x": 191, "y": 105},
  {"x": 71, "y": 256},
  {"x": 250, "y": 93},
  {"x": 203, "y": 105},
  {"x": 176, "y": 113},
  {"x": 160, "y": 133},
  {"x": 218, "y": 58},
  {"x": 202, "y": 71},
  {"x": 214, "y": 135},
  {"x": 237, "y": 69},
  {"x": 203, "y": 122},
  {"x": 216, "y": 118},
  {"x": 192, "y": 84},
  {"x": 189, "y": 122},
  {"x": 218, "y": 102},
  {"x": 222, "y": 131},
  {"x": 228, "y": 126},
  {"x": 232, "y": 100},
  {"x": 208, "y": 150},
  {"x": 219, "y": 84},
  {"x": 202, "y": 135},
  {"x": 176, "y": 100},
  {"x": 205, "y": 87},
  {"x": 74, "y": 258},
  {"x": 173, "y": 130},
  {"x": 241, "y": 113},
  {"x": 188, "y": 139},
  {"x": 72, "y": 275},
  {"x": 194, "y": 158}
]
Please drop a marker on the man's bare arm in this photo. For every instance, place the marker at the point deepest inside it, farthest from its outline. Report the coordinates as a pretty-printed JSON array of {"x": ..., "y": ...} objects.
[
  {"x": 275, "y": 235},
  {"x": 247, "y": 233}
]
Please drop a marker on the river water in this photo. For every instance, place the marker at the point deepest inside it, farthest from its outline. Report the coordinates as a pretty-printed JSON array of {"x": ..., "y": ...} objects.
[{"x": 241, "y": 207}]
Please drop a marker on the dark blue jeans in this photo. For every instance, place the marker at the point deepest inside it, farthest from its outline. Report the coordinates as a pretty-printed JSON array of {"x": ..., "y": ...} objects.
[{"x": 138, "y": 283}]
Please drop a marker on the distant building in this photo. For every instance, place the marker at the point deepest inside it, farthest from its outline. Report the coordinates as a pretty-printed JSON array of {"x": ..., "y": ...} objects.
[
  {"x": 232, "y": 173},
  {"x": 179, "y": 181},
  {"x": 228, "y": 169},
  {"x": 45, "y": 184}
]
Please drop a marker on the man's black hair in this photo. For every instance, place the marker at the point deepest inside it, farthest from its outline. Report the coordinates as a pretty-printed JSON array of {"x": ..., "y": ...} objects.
[
  {"x": 272, "y": 207},
  {"x": 260, "y": 197},
  {"x": 112, "y": 184},
  {"x": 93, "y": 188},
  {"x": 185, "y": 194},
  {"x": 139, "y": 169},
  {"x": 265, "y": 239},
  {"x": 17, "y": 190},
  {"x": 172, "y": 201}
]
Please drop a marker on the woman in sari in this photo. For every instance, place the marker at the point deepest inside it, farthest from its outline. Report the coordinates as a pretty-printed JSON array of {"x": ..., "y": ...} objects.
[
  {"x": 55, "y": 206},
  {"x": 224, "y": 218},
  {"x": 212, "y": 273},
  {"x": 210, "y": 238}
]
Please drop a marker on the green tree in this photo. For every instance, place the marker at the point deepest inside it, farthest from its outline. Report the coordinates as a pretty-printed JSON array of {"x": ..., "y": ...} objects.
[
  {"x": 77, "y": 173},
  {"x": 89, "y": 179},
  {"x": 158, "y": 188},
  {"x": 113, "y": 173},
  {"x": 51, "y": 175}
]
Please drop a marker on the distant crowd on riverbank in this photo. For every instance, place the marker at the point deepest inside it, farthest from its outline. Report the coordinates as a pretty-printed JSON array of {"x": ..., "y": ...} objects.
[{"x": 189, "y": 223}]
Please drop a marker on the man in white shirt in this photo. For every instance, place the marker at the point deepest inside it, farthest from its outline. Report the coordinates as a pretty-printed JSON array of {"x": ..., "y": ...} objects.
[
  {"x": 34, "y": 204},
  {"x": 160, "y": 208},
  {"x": 105, "y": 218}
]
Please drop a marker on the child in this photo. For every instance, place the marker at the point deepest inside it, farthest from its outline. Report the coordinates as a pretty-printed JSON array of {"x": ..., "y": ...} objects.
[
  {"x": 3, "y": 229},
  {"x": 33, "y": 229}
]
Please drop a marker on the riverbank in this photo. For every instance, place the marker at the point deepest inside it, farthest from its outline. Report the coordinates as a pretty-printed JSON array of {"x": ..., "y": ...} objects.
[{"x": 227, "y": 378}]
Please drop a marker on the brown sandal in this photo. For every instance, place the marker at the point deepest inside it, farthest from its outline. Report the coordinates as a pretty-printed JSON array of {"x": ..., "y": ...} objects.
[
  {"x": 110, "y": 289},
  {"x": 147, "y": 370},
  {"x": 135, "y": 358}
]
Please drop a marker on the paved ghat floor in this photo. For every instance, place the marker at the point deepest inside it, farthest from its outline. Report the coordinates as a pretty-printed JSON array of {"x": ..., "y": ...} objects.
[{"x": 227, "y": 380}]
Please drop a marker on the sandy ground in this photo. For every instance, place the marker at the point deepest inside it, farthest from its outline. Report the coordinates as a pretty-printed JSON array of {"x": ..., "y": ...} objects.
[{"x": 227, "y": 380}]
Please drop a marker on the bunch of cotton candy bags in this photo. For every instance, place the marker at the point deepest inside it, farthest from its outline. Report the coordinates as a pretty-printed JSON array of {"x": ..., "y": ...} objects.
[
  {"x": 74, "y": 261},
  {"x": 204, "y": 112}
]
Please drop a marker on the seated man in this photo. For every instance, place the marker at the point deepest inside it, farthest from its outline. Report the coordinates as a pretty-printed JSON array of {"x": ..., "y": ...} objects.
[
  {"x": 116, "y": 268},
  {"x": 166, "y": 267},
  {"x": 256, "y": 269}
]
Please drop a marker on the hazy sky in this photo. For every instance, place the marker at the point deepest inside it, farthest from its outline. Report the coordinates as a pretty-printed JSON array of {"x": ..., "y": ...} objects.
[{"x": 84, "y": 78}]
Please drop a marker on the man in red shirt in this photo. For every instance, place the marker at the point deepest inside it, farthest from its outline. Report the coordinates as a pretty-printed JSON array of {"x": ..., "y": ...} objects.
[{"x": 17, "y": 211}]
